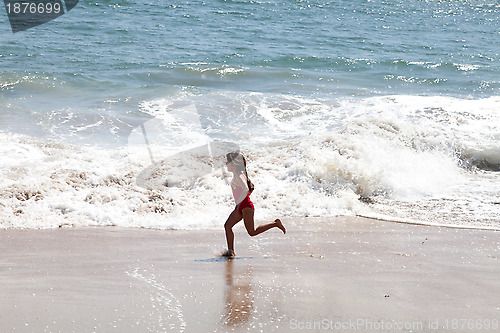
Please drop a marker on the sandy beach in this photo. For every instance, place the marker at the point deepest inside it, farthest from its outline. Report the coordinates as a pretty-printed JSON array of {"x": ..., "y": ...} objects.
[{"x": 325, "y": 274}]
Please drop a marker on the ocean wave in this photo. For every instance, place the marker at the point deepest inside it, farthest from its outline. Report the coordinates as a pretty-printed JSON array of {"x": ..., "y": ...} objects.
[
  {"x": 48, "y": 184},
  {"x": 9, "y": 80},
  {"x": 307, "y": 157}
]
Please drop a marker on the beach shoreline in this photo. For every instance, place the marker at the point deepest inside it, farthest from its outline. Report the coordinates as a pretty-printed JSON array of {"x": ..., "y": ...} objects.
[{"x": 341, "y": 273}]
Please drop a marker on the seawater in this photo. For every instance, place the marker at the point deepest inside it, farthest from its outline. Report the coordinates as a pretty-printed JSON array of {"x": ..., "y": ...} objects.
[{"x": 376, "y": 108}]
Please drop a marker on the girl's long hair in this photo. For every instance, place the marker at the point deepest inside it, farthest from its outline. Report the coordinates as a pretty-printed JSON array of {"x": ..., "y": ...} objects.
[{"x": 240, "y": 163}]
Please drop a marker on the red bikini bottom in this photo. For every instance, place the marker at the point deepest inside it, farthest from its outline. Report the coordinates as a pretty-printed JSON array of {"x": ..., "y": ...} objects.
[{"x": 246, "y": 203}]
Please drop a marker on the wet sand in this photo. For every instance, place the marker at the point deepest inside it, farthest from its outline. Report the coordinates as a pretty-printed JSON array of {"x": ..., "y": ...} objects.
[{"x": 325, "y": 274}]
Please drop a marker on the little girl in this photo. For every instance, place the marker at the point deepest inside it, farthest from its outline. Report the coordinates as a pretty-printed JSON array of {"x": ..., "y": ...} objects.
[{"x": 242, "y": 188}]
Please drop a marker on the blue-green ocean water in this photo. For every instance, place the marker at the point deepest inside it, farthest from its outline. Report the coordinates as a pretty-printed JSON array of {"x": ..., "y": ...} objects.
[
  {"x": 339, "y": 48},
  {"x": 137, "y": 50},
  {"x": 418, "y": 79}
]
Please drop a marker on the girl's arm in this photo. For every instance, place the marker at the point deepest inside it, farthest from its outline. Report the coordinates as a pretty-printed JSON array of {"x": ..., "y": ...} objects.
[{"x": 241, "y": 183}]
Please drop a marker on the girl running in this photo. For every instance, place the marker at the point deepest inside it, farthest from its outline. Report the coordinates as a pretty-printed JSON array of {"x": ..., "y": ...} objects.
[{"x": 242, "y": 188}]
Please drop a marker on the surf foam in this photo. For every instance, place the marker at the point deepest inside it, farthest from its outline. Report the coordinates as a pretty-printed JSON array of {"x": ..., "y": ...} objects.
[{"x": 392, "y": 155}]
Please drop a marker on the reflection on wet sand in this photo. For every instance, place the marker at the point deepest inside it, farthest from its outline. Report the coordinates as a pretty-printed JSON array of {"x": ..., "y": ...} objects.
[{"x": 239, "y": 298}]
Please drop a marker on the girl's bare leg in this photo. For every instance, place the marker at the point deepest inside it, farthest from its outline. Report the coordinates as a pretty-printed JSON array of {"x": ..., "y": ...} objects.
[
  {"x": 249, "y": 223},
  {"x": 233, "y": 218}
]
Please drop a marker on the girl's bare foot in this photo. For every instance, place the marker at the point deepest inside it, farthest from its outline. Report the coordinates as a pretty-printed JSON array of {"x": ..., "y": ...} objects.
[
  {"x": 280, "y": 225},
  {"x": 228, "y": 253}
]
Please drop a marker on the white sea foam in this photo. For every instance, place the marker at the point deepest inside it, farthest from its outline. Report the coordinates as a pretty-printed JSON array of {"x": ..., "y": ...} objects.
[{"x": 432, "y": 159}]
